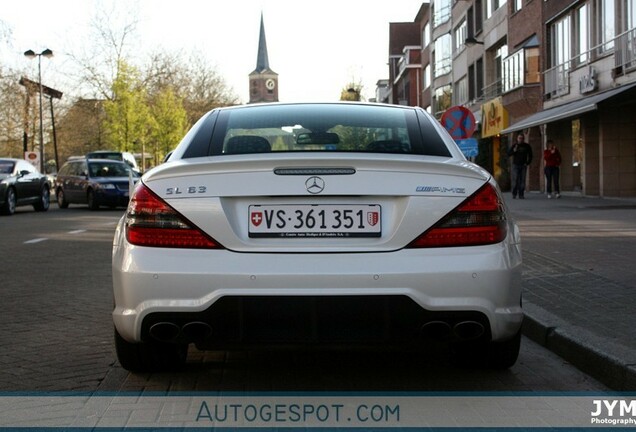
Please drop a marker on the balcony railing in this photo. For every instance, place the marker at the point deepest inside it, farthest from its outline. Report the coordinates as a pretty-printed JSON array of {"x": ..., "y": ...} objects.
[
  {"x": 625, "y": 55},
  {"x": 557, "y": 78},
  {"x": 493, "y": 90}
]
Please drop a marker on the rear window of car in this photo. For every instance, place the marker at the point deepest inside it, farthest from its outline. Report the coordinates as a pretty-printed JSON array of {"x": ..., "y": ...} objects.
[
  {"x": 6, "y": 167},
  {"x": 105, "y": 155},
  {"x": 108, "y": 169},
  {"x": 322, "y": 128}
]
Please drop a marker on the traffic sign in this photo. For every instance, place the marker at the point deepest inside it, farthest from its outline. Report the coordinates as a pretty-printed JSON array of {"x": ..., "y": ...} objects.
[
  {"x": 33, "y": 157},
  {"x": 459, "y": 122},
  {"x": 469, "y": 147}
]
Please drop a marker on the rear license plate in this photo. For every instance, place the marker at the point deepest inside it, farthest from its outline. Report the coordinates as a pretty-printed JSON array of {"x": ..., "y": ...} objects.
[{"x": 323, "y": 220}]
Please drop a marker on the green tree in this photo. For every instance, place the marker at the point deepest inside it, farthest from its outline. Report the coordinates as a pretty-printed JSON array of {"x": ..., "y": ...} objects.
[
  {"x": 128, "y": 122},
  {"x": 169, "y": 122}
]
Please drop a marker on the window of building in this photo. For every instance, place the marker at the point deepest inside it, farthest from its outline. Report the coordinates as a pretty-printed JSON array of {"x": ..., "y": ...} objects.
[
  {"x": 479, "y": 77},
  {"x": 589, "y": 30},
  {"x": 516, "y": 5},
  {"x": 513, "y": 71},
  {"x": 476, "y": 80},
  {"x": 426, "y": 35},
  {"x": 471, "y": 82},
  {"x": 426, "y": 77},
  {"x": 492, "y": 6},
  {"x": 442, "y": 99},
  {"x": 561, "y": 42},
  {"x": 521, "y": 68},
  {"x": 460, "y": 35},
  {"x": 441, "y": 11},
  {"x": 443, "y": 55},
  {"x": 629, "y": 12},
  {"x": 560, "y": 56},
  {"x": 500, "y": 55},
  {"x": 581, "y": 28},
  {"x": 533, "y": 72},
  {"x": 479, "y": 17},
  {"x": 606, "y": 24},
  {"x": 461, "y": 91}
]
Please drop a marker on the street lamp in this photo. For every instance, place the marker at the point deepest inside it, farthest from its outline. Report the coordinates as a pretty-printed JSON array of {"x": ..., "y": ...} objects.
[
  {"x": 470, "y": 41},
  {"x": 31, "y": 55}
]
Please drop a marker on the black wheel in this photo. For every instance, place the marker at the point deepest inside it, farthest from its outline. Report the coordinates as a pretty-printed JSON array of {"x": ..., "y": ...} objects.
[
  {"x": 491, "y": 355},
  {"x": 10, "y": 202},
  {"x": 45, "y": 200},
  {"x": 150, "y": 357},
  {"x": 92, "y": 200},
  {"x": 61, "y": 199},
  {"x": 502, "y": 355}
]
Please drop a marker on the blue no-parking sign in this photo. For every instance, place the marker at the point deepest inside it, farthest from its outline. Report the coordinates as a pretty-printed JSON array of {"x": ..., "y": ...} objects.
[{"x": 468, "y": 146}]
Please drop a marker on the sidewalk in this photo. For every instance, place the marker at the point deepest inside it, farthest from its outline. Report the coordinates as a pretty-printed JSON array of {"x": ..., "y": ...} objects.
[{"x": 579, "y": 281}]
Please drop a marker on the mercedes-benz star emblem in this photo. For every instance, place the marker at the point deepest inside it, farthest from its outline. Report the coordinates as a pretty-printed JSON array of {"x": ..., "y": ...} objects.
[{"x": 315, "y": 185}]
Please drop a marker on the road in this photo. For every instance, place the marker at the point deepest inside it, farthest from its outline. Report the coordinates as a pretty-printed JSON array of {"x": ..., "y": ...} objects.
[{"x": 57, "y": 332}]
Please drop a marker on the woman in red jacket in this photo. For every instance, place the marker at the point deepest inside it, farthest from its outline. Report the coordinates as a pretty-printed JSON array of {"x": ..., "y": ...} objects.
[{"x": 552, "y": 159}]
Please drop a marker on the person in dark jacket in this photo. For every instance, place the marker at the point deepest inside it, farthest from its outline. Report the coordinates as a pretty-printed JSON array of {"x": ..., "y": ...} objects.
[
  {"x": 552, "y": 160},
  {"x": 521, "y": 154}
]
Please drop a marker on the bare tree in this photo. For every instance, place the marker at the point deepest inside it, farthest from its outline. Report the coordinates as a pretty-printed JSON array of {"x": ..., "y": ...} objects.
[
  {"x": 193, "y": 80},
  {"x": 113, "y": 31},
  {"x": 196, "y": 85},
  {"x": 14, "y": 114}
]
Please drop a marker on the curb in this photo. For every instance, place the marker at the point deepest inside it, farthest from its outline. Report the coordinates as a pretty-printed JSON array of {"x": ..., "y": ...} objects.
[{"x": 611, "y": 363}]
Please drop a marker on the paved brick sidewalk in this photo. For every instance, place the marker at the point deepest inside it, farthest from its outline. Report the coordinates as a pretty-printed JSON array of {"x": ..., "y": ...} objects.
[{"x": 579, "y": 280}]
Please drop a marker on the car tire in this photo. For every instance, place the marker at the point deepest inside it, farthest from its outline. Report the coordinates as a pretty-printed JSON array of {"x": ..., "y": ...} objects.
[
  {"x": 491, "y": 355},
  {"x": 150, "y": 357},
  {"x": 10, "y": 203},
  {"x": 45, "y": 200},
  {"x": 92, "y": 200},
  {"x": 61, "y": 199},
  {"x": 503, "y": 355}
]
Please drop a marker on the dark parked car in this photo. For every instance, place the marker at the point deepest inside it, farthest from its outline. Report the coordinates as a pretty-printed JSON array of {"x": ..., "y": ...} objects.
[
  {"x": 96, "y": 182},
  {"x": 22, "y": 184}
]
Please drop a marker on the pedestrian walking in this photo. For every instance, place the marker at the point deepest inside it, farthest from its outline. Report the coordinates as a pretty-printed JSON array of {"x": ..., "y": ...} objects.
[
  {"x": 552, "y": 160},
  {"x": 521, "y": 154}
]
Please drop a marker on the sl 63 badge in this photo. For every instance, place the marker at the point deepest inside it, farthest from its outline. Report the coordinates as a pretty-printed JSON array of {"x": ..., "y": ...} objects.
[{"x": 186, "y": 190}]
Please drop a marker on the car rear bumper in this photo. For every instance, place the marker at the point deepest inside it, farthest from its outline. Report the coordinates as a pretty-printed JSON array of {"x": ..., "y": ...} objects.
[
  {"x": 180, "y": 286},
  {"x": 112, "y": 198}
]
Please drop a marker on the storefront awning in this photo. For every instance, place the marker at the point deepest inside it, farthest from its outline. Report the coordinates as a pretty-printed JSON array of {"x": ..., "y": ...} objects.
[{"x": 567, "y": 110}]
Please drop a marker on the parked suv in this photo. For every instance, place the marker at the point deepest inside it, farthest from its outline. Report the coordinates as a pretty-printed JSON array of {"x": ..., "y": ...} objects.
[
  {"x": 95, "y": 182},
  {"x": 116, "y": 155}
]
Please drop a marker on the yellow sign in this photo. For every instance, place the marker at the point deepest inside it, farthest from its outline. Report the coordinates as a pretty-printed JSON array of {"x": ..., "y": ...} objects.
[{"x": 494, "y": 118}]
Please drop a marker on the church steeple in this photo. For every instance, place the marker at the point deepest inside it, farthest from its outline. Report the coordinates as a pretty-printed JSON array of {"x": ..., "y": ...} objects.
[
  {"x": 262, "y": 59},
  {"x": 263, "y": 80}
]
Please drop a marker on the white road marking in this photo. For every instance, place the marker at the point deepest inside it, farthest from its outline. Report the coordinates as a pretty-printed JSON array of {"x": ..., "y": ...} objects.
[
  {"x": 41, "y": 239},
  {"x": 36, "y": 240}
]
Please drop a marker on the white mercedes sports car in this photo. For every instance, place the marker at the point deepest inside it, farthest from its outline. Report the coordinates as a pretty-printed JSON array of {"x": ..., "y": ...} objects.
[{"x": 316, "y": 225}]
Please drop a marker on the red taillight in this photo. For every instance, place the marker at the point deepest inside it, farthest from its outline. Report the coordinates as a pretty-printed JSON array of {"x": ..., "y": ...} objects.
[
  {"x": 152, "y": 222},
  {"x": 480, "y": 220}
]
